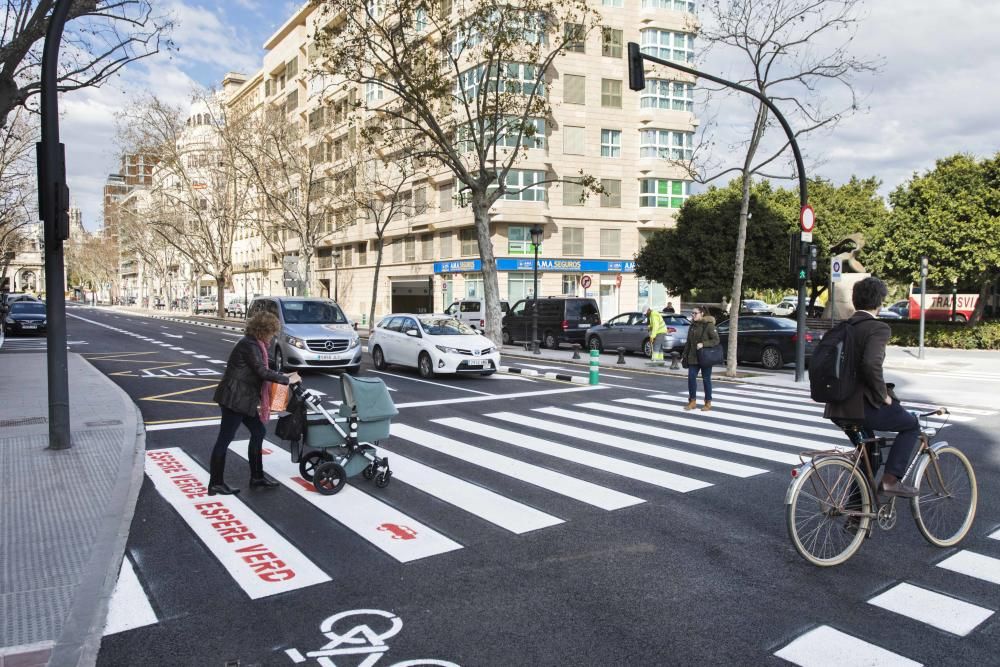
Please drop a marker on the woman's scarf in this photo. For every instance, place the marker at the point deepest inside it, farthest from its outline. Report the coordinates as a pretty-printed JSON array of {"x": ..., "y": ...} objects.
[{"x": 265, "y": 388}]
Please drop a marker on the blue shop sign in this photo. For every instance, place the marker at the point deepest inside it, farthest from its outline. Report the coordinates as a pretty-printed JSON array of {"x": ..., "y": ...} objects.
[{"x": 554, "y": 265}]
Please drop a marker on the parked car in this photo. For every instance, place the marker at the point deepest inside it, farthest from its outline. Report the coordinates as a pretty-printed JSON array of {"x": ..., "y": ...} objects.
[
  {"x": 767, "y": 340},
  {"x": 18, "y": 296},
  {"x": 561, "y": 319},
  {"x": 25, "y": 317},
  {"x": 754, "y": 307},
  {"x": 235, "y": 308},
  {"x": 888, "y": 314},
  {"x": 631, "y": 331},
  {"x": 432, "y": 344},
  {"x": 473, "y": 312},
  {"x": 315, "y": 333},
  {"x": 901, "y": 308},
  {"x": 206, "y": 304}
]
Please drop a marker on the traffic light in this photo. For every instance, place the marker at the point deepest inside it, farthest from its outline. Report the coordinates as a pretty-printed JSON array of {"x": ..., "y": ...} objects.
[
  {"x": 795, "y": 264},
  {"x": 636, "y": 74},
  {"x": 811, "y": 260}
]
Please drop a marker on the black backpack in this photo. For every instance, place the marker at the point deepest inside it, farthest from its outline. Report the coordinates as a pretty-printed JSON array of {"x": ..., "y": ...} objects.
[{"x": 833, "y": 368}]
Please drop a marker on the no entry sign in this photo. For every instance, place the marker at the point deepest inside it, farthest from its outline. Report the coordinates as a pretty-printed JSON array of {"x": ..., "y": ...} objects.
[
  {"x": 585, "y": 282},
  {"x": 807, "y": 221}
]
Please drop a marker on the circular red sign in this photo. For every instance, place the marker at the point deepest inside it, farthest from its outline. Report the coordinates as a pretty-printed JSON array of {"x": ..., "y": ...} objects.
[
  {"x": 807, "y": 218},
  {"x": 585, "y": 282}
]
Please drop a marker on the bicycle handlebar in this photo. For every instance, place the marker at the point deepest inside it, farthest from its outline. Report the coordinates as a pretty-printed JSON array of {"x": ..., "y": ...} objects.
[{"x": 939, "y": 411}]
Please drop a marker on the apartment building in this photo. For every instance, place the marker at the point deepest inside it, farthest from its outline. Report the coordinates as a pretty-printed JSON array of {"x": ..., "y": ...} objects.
[{"x": 630, "y": 141}]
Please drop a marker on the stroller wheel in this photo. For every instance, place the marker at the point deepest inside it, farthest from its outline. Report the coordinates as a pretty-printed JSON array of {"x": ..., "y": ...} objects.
[
  {"x": 311, "y": 461},
  {"x": 382, "y": 479},
  {"x": 330, "y": 478},
  {"x": 369, "y": 471}
]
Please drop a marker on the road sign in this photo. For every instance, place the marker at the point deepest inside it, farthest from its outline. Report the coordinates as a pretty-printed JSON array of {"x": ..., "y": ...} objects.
[
  {"x": 835, "y": 268},
  {"x": 585, "y": 282},
  {"x": 618, "y": 280},
  {"x": 807, "y": 218}
]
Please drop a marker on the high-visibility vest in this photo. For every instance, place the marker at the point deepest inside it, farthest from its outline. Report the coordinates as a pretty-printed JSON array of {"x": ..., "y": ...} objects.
[{"x": 656, "y": 325}]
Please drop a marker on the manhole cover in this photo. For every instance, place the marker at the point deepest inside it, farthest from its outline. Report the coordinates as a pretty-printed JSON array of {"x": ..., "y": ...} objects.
[
  {"x": 23, "y": 421},
  {"x": 103, "y": 422}
]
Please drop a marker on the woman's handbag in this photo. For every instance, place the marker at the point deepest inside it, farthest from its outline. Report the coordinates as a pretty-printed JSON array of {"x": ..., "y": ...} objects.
[
  {"x": 710, "y": 356},
  {"x": 279, "y": 397}
]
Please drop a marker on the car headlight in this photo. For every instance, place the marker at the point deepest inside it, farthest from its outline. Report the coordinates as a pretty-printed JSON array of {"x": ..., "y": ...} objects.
[
  {"x": 354, "y": 343},
  {"x": 447, "y": 350},
  {"x": 296, "y": 342},
  {"x": 488, "y": 350}
]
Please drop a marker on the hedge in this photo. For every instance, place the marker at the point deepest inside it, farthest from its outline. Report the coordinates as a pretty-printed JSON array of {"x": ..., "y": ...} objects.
[{"x": 983, "y": 336}]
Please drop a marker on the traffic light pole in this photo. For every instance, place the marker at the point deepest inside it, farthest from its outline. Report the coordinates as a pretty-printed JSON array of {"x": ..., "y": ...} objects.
[{"x": 637, "y": 82}]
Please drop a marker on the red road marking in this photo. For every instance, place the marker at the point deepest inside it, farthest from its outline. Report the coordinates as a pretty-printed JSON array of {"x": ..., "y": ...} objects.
[
  {"x": 308, "y": 486},
  {"x": 399, "y": 532}
]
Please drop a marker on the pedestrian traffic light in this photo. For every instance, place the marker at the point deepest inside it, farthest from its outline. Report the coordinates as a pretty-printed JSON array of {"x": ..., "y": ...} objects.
[
  {"x": 636, "y": 74},
  {"x": 813, "y": 254},
  {"x": 796, "y": 262}
]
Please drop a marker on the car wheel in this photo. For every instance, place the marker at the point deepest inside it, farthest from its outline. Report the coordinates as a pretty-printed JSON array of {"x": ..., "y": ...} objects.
[
  {"x": 549, "y": 340},
  {"x": 505, "y": 337},
  {"x": 378, "y": 359},
  {"x": 279, "y": 359},
  {"x": 594, "y": 343},
  {"x": 771, "y": 358},
  {"x": 647, "y": 349},
  {"x": 960, "y": 318},
  {"x": 425, "y": 365}
]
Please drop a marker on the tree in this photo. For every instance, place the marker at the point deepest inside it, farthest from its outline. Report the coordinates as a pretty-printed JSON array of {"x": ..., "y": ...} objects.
[
  {"x": 460, "y": 85},
  {"x": 794, "y": 50},
  {"x": 18, "y": 185},
  {"x": 951, "y": 214},
  {"x": 100, "y": 38}
]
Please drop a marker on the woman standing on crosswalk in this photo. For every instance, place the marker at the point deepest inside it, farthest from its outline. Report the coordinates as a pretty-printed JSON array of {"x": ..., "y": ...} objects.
[{"x": 702, "y": 334}]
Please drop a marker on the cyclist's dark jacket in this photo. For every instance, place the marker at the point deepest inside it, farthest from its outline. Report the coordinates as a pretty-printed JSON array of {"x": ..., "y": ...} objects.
[{"x": 871, "y": 336}]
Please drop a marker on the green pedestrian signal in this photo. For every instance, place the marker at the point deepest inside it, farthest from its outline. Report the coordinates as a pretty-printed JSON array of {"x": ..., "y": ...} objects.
[{"x": 802, "y": 274}]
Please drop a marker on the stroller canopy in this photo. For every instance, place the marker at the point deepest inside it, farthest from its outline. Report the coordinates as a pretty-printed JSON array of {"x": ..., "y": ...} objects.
[{"x": 369, "y": 397}]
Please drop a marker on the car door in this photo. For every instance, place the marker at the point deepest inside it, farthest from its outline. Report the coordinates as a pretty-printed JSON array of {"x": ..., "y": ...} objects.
[
  {"x": 410, "y": 345},
  {"x": 613, "y": 331},
  {"x": 753, "y": 332},
  {"x": 388, "y": 340},
  {"x": 515, "y": 321}
]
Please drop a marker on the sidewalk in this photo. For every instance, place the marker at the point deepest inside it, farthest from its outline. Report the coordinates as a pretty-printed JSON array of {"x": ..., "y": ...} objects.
[{"x": 64, "y": 515}]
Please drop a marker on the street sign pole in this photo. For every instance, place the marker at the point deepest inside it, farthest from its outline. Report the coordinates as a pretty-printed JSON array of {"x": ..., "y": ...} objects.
[
  {"x": 923, "y": 292},
  {"x": 807, "y": 221},
  {"x": 835, "y": 269}
]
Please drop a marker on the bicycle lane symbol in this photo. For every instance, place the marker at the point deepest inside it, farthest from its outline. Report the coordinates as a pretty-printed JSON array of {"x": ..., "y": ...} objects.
[{"x": 360, "y": 639}]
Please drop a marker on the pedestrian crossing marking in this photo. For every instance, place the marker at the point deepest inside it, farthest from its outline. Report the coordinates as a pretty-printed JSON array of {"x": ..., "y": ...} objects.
[
  {"x": 678, "y": 436},
  {"x": 940, "y": 611},
  {"x": 583, "y": 457},
  {"x": 556, "y": 482},
  {"x": 129, "y": 606},
  {"x": 828, "y": 647},
  {"x": 973, "y": 564}
]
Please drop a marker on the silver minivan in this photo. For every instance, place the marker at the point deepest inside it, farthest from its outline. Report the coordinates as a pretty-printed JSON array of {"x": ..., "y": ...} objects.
[
  {"x": 315, "y": 333},
  {"x": 472, "y": 311}
]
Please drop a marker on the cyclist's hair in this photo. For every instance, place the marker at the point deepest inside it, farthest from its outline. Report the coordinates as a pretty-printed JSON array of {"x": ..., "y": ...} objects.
[{"x": 869, "y": 294}]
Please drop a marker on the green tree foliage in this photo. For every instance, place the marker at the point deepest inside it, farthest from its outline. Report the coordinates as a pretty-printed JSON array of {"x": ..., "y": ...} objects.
[{"x": 951, "y": 214}]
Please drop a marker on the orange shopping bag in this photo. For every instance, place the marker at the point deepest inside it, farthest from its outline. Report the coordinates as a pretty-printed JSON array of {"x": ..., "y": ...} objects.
[{"x": 279, "y": 397}]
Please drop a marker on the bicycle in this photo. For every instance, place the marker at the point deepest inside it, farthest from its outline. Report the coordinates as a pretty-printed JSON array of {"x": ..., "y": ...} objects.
[{"x": 831, "y": 503}]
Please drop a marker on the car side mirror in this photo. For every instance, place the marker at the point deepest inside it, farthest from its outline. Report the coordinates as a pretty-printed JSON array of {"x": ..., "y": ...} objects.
[{"x": 412, "y": 332}]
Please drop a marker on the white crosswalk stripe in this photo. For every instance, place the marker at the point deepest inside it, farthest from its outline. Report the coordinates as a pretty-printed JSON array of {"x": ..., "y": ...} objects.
[
  {"x": 828, "y": 647},
  {"x": 940, "y": 611}
]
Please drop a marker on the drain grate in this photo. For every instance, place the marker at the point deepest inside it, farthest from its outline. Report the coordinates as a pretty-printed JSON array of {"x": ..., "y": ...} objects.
[
  {"x": 23, "y": 421},
  {"x": 103, "y": 422}
]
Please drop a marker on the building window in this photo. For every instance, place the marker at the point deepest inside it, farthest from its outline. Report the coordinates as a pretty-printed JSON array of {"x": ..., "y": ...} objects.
[
  {"x": 662, "y": 193},
  {"x": 292, "y": 101},
  {"x": 445, "y": 244},
  {"x": 420, "y": 20},
  {"x": 675, "y": 46},
  {"x": 467, "y": 238},
  {"x": 572, "y": 241},
  {"x": 519, "y": 240},
  {"x": 346, "y": 256},
  {"x": 611, "y": 242},
  {"x": 531, "y": 132},
  {"x": 611, "y": 143},
  {"x": 644, "y": 236},
  {"x": 574, "y": 89},
  {"x": 676, "y": 5},
  {"x": 525, "y": 185},
  {"x": 611, "y": 42},
  {"x": 664, "y": 94},
  {"x": 373, "y": 93},
  {"x": 575, "y": 38},
  {"x": 572, "y": 192},
  {"x": 410, "y": 248},
  {"x": 611, "y": 93},
  {"x": 612, "y": 195},
  {"x": 427, "y": 247},
  {"x": 397, "y": 251},
  {"x": 362, "y": 254},
  {"x": 291, "y": 68},
  {"x": 474, "y": 285},
  {"x": 445, "y": 193},
  {"x": 573, "y": 140},
  {"x": 666, "y": 144},
  {"x": 520, "y": 286},
  {"x": 569, "y": 283}
]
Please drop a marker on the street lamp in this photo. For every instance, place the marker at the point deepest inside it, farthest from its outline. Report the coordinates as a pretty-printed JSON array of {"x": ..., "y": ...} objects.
[
  {"x": 536, "y": 240},
  {"x": 336, "y": 283},
  {"x": 246, "y": 280}
]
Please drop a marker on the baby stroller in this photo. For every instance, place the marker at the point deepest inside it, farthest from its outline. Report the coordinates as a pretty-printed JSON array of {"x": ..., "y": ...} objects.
[{"x": 332, "y": 446}]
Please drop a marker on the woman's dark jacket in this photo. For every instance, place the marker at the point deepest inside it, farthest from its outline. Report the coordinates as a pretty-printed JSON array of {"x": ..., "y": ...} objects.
[
  {"x": 703, "y": 331},
  {"x": 239, "y": 389}
]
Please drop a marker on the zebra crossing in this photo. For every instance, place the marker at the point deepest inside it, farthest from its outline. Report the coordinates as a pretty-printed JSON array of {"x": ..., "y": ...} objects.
[{"x": 515, "y": 473}]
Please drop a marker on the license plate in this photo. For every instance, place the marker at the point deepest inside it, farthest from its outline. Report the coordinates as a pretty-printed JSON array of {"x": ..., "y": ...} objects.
[
  {"x": 477, "y": 362},
  {"x": 327, "y": 357},
  {"x": 584, "y": 326},
  {"x": 29, "y": 326}
]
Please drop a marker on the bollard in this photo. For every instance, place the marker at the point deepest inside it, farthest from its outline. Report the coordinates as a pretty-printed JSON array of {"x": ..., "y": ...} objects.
[
  {"x": 595, "y": 364},
  {"x": 527, "y": 346},
  {"x": 576, "y": 350},
  {"x": 535, "y": 348},
  {"x": 675, "y": 360},
  {"x": 621, "y": 356}
]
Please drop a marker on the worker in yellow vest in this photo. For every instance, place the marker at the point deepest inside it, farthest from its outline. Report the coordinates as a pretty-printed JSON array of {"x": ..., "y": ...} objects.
[{"x": 657, "y": 335}]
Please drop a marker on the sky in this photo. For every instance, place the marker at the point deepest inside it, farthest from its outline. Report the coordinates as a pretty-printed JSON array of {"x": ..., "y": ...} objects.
[{"x": 933, "y": 95}]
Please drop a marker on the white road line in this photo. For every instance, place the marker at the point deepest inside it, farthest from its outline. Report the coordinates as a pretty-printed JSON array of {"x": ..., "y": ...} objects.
[
  {"x": 187, "y": 352},
  {"x": 805, "y": 401},
  {"x": 616, "y": 377},
  {"x": 493, "y": 507},
  {"x": 506, "y": 376},
  {"x": 613, "y": 465},
  {"x": 378, "y": 523},
  {"x": 940, "y": 611},
  {"x": 437, "y": 384},
  {"x": 492, "y": 397},
  {"x": 635, "y": 446},
  {"x": 128, "y": 607},
  {"x": 217, "y": 361},
  {"x": 231, "y": 340},
  {"x": 201, "y": 356},
  {"x": 677, "y": 436},
  {"x": 828, "y": 647},
  {"x": 975, "y": 565},
  {"x": 995, "y": 535},
  {"x": 256, "y": 556},
  {"x": 823, "y": 431},
  {"x": 556, "y": 482},
  {"x": 191, "y": 332}
]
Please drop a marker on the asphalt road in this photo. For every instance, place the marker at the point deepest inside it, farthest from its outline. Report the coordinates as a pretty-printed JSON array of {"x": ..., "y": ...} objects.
[{"x": 529, "y": 522}]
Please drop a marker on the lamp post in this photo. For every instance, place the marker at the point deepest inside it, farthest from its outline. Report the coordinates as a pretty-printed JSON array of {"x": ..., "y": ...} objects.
[
  {"x": 536, "y": 240},
  {"x": 335, "y": 256},
  {"x": 246, "y": 280}
]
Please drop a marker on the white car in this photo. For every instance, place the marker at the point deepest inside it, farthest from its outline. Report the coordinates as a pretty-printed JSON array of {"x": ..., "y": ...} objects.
[
  {"x": 432, "y": 344},
  {"x": 473, "y": 312},
  {"x": 783, "y": 309}
]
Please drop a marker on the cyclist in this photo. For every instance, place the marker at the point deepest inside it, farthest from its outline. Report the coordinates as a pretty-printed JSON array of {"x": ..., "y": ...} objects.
[{"x": 873, "y": 405}]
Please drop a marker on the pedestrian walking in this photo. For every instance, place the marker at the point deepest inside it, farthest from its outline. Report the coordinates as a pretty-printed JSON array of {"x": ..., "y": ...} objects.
[
  {"x": 701, "y": 335},
  {"x": 244, "y": 394},
  {"x": 669, "y": 309},
  {"x": 657, "y": 335}
]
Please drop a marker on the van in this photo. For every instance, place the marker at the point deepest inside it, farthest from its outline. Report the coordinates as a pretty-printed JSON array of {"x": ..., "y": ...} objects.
[
  {"x": 560, "y": 320},
  {"x": 473, "y": 312},
  {"x": 315, "y": 333}
]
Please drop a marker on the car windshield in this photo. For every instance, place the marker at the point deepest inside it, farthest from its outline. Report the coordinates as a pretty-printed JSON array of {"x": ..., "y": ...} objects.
[
  {"x": 754, "y": 304},
  {"x": 312, "y": 312},
  {"x": 779, "y": 323},
  {"x": 32, "y": 307},
  {"x": 445, "y": 326}
]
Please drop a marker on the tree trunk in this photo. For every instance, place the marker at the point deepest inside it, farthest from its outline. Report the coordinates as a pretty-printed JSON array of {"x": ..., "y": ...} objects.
[
  {"x": 378, "y": 267},
  {"x": 307, "y": 267},
  {"x": 220, "y": 296},
  {"x": 984, "y": 293},
  {"x": 491, "y": 283}
]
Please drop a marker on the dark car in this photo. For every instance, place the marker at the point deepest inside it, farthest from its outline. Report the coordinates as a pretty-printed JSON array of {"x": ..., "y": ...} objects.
[
  {"x": 754, "y": 307},
  {"x": 25, "y": 317},
  {"x": 901, "y": 308},
  {"x": 769, "y": 341},
  {"x": 560, "y": 320},
  {"x": 631, "y": 331}
]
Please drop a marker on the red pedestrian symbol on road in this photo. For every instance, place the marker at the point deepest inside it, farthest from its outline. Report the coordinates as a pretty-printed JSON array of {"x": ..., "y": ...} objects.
[{"x": 399, "y": 532}]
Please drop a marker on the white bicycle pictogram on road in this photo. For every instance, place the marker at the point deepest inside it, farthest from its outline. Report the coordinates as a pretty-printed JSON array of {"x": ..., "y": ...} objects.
[{"x": 360, "y": 639}]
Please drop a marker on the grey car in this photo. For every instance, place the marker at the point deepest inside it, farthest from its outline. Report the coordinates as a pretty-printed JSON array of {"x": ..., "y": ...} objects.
[
  {"x": 631, "y": 331},
  {"x": 315, "y": 333}
]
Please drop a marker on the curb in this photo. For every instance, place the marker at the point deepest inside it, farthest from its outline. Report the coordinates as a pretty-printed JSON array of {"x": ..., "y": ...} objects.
[
  {"x": 550, "y": 376},
  {"x": 200, "y": 323}
]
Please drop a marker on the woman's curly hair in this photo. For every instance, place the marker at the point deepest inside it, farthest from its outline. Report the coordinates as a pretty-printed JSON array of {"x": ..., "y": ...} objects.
[{"x": 263, "y": 326}]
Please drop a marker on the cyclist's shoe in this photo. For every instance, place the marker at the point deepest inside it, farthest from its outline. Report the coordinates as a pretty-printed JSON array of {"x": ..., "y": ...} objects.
[{"x": 897, "y": 488}]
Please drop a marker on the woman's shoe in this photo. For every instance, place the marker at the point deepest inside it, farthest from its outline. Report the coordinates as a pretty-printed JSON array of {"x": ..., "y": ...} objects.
[
  {"x": 221, "y": 490},
  {"x": 707, "y": 406},
  {"x": 691, "y": 404},
  {"x": 263, "y": 482}
]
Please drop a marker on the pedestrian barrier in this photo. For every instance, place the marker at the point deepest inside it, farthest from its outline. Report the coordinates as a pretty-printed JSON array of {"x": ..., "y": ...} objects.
[
  {"x": 675, "y": 360},
  {"x": 576, "y": 350},
  {"x": 595, "y": 365}
]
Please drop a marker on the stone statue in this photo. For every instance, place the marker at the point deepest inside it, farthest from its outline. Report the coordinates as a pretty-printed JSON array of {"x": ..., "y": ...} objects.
[
  {"x": 839, "y": 304},
  {"x": 846, "y": 251}
]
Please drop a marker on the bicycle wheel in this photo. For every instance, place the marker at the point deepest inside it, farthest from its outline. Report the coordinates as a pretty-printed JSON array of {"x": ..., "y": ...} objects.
[
  {"x": 946, "y": 503},
  {"x": 817, "y": 524}
]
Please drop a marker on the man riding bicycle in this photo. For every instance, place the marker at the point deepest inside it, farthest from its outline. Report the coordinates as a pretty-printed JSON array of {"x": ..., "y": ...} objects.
[{"x": 872, "y": 404}]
